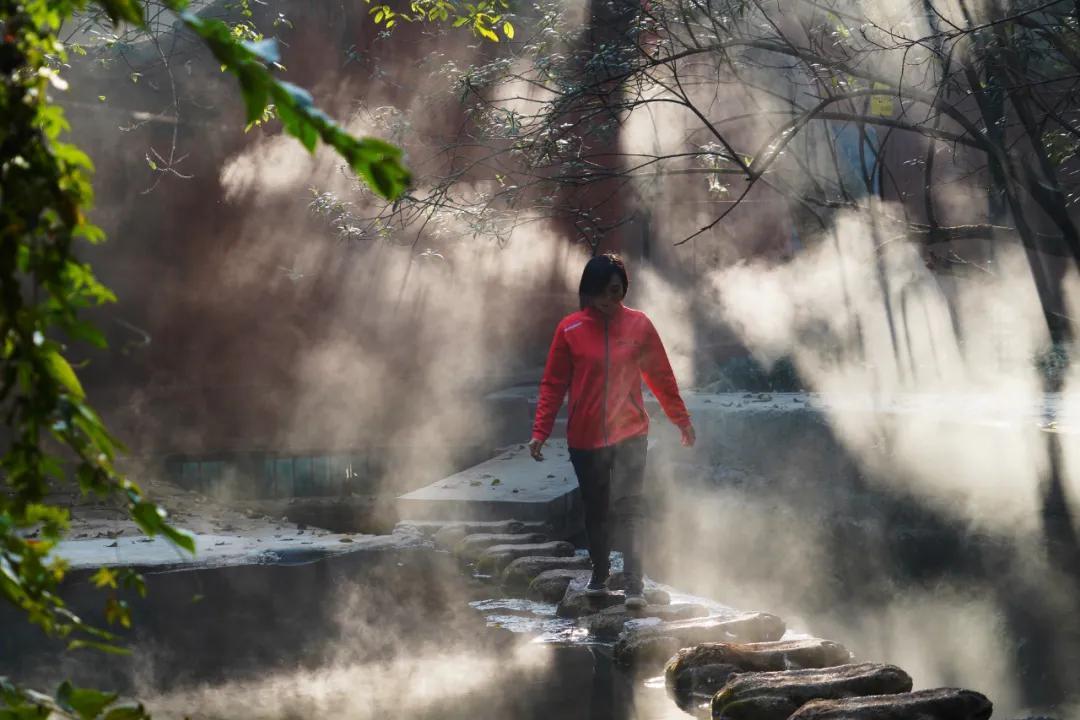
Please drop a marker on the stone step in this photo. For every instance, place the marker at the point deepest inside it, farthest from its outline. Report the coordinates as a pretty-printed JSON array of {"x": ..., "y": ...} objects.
[
  {"x": 446, "y": 535},
  {"x": 776, "y": 695},
  {"x": 937, "y": 704},
  {"x": 551, "y": 585},
  {"x": 495, "y": 558},
  {"x": 471, "y": 546},
  {"x": 509, "y": 485},
  {"x": 520, "y": 573},
  {"x": 607, "y": 624},
  {"x": 650, "y": 647},
  {"x": 575, "y": 603},
  {"x": 702, "y": 670}
]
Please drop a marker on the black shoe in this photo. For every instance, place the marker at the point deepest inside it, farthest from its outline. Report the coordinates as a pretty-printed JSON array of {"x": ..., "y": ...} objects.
[
  {"x": 597, "y": 584},
  {"x": 635, "y": 600}
]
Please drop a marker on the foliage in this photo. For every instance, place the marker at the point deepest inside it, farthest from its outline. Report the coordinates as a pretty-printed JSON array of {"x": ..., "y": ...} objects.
[
  {"x": 377, "y": 162},
  {"x": 798, "y": 102},
  {"x": 54, "y": 436},
  {"x": 486, "y": 18}
]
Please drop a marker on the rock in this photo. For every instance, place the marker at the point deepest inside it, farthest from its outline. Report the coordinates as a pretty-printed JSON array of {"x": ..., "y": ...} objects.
[
  {"x": 551, "y": 585},
  {"x": 644, "y": 654},
  {"x": 608, "y": 623},
  {"x": 450, "y": 534},
  {"x": 939, "y": 704},
  {"x": 656, "y": 596},
  {"x": 447, "y": 538},
  {"x": 641, "y": 646},
  {"x": 470, "y": 547},
  {"x": 653, "y": 594},
  {"x": 497, "y": 557},
  {"x": 518, "y": 574},
  {"x": 776, "y": 695},
  {"x": 684, "y": 678},
  {"x": 576, "y": 603}
]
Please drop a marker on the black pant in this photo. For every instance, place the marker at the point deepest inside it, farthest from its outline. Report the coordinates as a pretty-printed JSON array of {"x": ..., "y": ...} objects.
[{"x": 611, "y": 480}]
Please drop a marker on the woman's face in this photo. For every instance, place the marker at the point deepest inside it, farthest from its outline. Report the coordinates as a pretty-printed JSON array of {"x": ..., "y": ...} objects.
[{"x": 609, "y": 298}]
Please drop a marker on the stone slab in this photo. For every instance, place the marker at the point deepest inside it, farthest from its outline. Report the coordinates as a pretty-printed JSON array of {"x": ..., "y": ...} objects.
[
  {"x": 510, "y": 485},
  {"x": 936, "y": 704},
  {"x": 776, "y": 695},
  {"x": 217, "y": 550}
]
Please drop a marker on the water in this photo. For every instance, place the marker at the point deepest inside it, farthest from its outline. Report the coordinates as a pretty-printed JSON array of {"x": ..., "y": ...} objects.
[
  {"x": 399, "y": 634},
  {"x": 402, "y": 634}
]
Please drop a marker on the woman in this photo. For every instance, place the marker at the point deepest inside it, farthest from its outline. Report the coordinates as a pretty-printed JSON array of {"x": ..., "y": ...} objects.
[{"x": 600, "y": 355}]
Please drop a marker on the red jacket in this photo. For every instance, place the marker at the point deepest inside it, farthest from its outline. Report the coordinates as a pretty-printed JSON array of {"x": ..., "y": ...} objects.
[{"x": 602, "y": 361}]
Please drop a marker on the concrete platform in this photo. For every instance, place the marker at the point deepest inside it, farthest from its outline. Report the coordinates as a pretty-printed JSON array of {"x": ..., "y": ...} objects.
[
  {"x": 223, "y": 550},
  {"x": 509, "y": 486}
]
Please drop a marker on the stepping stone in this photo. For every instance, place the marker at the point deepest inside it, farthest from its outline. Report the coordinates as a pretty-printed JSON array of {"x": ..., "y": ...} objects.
[
  {"x": 495, "y": 559},
  {"x": 703, "y": 669},
  {"x": 652, "y": 645},
  {"x": 550, "y": 585},
  {"x": 617, "y": 582},
  {"x": 776, "y": 695},
  {"x": 607, "y": 624},
  {"x": 471, "y": 546},
  {"x": 576, "y": 603},
  {"x": 938, "y": 704},
  {"x": 450, "y": 534},
  {"x": 518, "y": 574}
]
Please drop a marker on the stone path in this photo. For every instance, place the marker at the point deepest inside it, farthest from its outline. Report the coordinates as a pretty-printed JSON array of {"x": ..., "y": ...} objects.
[
  {"x": 510, "y": 485},
  {"x": 716, "y": 661}
]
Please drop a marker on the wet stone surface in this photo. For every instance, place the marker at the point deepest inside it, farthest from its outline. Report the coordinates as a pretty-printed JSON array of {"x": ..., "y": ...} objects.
[
  {"x": 937, "y": 704},
  {"x": 701, "y": 670},
  {"x": 494, "y": 559},
  {"x": 472, "y": 546},
  {"x": 520, "y": 573},
  {"x": 776, "y": 695},
  {"x": 607, "y": 624}
]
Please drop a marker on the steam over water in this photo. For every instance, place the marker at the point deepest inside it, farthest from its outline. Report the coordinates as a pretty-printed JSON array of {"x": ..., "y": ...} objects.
[{"x": 918, "y": 505}]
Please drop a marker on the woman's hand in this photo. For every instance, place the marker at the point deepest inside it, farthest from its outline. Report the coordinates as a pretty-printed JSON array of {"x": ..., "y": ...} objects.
[
  {"x": 534, "y": 449},
  {"x": 688, "y": 436}
]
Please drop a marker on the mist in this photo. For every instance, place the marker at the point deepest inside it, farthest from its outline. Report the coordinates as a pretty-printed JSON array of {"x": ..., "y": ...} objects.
[{"x": 907, "y": 499}]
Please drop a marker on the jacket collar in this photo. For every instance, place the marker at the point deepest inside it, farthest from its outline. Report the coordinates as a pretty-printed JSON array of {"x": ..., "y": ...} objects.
[{"x": 595, "y": 314}]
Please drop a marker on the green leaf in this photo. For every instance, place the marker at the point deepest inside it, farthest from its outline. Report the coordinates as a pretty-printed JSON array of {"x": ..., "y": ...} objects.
[
  {"x": 88, "y": 333},
  {"x": 104, "y": 577},
  {"x": 149, "y": 517},
  {"x": 265, "y": 49},
  {"x": 381, "y": 169},
  {"x": 61, "y": 371},
  {"x": 127, "y": 712},
  {"x": 123, "y": 10},
  {"x": 87, "y": 703},
  {"x": 100, "y": 646},
  {"x": 508, "y": 30},
  {"x": 180, "y": 538},
  {"x": 256, "y": 93}
]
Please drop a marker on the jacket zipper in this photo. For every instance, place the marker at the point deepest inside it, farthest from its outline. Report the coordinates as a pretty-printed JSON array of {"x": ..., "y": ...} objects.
[{"x": 607, "y": 363}]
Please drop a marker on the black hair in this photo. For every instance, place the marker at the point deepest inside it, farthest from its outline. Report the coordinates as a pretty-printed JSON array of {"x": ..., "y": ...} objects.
[{"x": 597, "y": 274}]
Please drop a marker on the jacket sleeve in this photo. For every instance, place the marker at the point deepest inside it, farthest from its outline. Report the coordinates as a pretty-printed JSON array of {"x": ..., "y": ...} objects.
[
  {"x": 659, "y": 377},
  {"x": 553, "y": 385}
]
